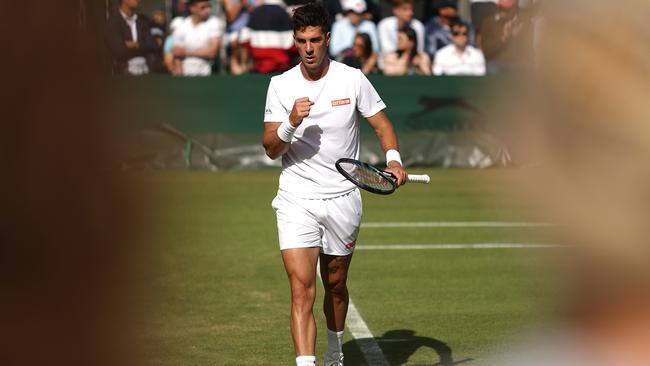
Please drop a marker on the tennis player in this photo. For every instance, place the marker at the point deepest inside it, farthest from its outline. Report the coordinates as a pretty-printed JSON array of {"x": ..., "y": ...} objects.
[{"x": 311, "y": 121}]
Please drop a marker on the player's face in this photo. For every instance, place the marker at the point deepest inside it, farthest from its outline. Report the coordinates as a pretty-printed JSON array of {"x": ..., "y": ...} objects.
[{"x": 312, "y": 46}]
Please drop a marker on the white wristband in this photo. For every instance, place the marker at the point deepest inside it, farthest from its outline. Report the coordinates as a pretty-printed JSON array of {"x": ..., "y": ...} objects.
[
  {"x": 393, "y": 155},
  {"x": 285, "y": 131}
]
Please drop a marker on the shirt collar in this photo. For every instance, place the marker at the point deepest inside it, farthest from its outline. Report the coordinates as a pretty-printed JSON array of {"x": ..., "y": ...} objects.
[{"x": 133, "y": 18}]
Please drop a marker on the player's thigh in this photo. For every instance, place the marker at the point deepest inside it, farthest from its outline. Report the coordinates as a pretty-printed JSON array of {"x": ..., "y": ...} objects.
[
  {"x": 297, "y": 225},
  {"x": 334, "y": 270},
  {"x": 300, "y": 264},
  {"x": 341, "y": 225}
]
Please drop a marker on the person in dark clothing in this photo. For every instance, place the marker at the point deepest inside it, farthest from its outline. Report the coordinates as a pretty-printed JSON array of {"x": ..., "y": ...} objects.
[{"x": 129, "y": 39}]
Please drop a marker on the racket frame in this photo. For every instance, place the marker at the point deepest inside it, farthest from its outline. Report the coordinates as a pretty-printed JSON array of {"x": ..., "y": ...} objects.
[{"x": 388, "y": 176}]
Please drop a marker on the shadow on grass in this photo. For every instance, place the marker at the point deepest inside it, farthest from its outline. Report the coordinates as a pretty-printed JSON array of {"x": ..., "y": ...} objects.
[{"x": 398, "y": 345}]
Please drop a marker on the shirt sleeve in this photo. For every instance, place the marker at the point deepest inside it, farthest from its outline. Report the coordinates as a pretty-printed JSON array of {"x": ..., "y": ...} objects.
[
  {"x": 368, "y": 101},
  {"x": 214, "y": 28},
  {"x": 437, "y": 64},
  {"x": 480, "y": 64},
  {"x": 418, "y": 27},
  {"x": 385, "y": 42},
  {"x": 274, "y": 111}
]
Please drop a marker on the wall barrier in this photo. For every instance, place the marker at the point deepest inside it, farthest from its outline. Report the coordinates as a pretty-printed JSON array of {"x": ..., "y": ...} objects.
[{"x": 217, "y": 122}]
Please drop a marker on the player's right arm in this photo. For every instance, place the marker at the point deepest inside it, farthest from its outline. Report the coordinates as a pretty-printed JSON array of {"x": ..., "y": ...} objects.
[{"x": 277, "y": 135}]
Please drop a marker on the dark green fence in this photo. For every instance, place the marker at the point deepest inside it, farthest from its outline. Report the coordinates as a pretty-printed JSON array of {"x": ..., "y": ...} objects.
[
  {"x": 235, "y": 104},
  {"x": 441, "y": 121}
]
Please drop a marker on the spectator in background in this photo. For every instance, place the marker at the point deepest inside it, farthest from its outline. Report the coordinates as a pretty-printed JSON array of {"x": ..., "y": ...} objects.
[
  {"x": 373, "y": 11},
  {"x": 159, "y": 33},
  {"x": 437, "y": 31},
  {"x": 389, "y": 27},
  {"x": 159, "y": 26},
  {"x": 406, "y": 60},
  {"x": 507, "y": 39},
  {"x": 345, "y": 29},
  {"x": 196, "y": 39},
  {"x": 459, "y": 58},
  {"x": 269, "y": 37},
  {"x": 129, "y": 39},
  {"x": 362, "y": 56},
  {"x": 480, "y": 10},
  {"x": 180, "y": 8},
  {"x": 172, "y": 63},
  {"x": 334, "y": 10},
  {"x": 237, "y": 16}
]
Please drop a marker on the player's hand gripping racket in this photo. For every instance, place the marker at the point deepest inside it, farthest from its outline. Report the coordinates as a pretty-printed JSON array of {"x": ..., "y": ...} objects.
[{"x": 371, "y": 178}]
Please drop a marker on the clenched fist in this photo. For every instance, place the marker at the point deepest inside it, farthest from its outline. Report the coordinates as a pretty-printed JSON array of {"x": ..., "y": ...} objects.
[{"x": 300, "y": 110}]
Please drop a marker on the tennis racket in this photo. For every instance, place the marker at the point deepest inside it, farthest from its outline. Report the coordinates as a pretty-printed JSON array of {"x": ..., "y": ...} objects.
[{"x": 371, "y": 178}]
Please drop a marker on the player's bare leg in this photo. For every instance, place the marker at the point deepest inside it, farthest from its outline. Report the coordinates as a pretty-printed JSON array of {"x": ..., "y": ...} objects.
[
  {"x": 300, "y": 265},
  {"x": 334, "y": 273}
]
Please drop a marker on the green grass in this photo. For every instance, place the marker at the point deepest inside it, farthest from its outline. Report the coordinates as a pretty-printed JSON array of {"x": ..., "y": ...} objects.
[{"x": 218, "y": 294}]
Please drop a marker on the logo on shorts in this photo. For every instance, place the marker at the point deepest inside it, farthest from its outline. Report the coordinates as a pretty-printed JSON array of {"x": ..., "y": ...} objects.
[
  {"x": 350, "y": 246},
  {"x": 339, "y": 102}
]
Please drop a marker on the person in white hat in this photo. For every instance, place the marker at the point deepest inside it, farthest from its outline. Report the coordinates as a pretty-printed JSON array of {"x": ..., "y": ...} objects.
[{"x": 345, "y": 29}]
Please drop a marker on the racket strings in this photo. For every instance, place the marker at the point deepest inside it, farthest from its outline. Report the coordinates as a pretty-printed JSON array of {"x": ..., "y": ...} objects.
[
  {"x": 368, "y": 177},
  {"x": 373, "y": 179}
]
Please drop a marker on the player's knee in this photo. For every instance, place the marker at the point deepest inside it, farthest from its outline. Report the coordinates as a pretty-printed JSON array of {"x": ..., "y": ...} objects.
[
  {"x": 302, "y": 295},
  {"x": 336, "y": 285}
]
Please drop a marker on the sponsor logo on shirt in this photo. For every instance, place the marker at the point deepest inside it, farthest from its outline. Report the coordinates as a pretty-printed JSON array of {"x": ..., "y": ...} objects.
[
  {"x": 379, "y": 101},
  {"x": 267, "y": 111},
  {"x": 340, "y": 102}
]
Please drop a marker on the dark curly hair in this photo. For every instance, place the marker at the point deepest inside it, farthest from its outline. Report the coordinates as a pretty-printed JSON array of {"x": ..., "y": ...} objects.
[{"x": 312, "y": 14}]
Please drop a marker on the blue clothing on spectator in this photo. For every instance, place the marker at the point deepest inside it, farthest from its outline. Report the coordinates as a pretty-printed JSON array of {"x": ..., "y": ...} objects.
[
  {"x": 438, "y": 35},
  {"x": 169, "y": 44},
  {"x": 242, "y": 19},
  {"x": 343, "y": 33}
]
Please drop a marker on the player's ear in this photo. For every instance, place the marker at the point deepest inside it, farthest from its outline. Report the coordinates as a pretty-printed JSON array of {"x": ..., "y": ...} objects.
[{"x": 327, "y": 38}]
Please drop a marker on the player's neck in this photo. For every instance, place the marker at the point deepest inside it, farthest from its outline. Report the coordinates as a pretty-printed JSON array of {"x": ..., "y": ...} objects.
[{"x": 317, "y": 74}]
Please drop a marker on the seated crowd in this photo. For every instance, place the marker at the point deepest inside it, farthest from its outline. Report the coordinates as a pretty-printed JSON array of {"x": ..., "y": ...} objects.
[{"x": 257, "y": 36}]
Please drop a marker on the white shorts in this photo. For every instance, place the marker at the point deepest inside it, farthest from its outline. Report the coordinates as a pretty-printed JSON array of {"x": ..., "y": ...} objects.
[{"x": 331, "y": 224}]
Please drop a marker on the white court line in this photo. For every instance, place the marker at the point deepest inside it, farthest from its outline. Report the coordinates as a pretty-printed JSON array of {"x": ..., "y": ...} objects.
[
  {"x": 457, "y": 246},
  {"x": 364, "y": 338},
  {"x": 362, "y": 335},
  {"x": 454, "y": 224}
]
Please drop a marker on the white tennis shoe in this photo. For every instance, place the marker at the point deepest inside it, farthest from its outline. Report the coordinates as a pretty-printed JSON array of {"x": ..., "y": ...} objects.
[{"x": 333, "y": 359}]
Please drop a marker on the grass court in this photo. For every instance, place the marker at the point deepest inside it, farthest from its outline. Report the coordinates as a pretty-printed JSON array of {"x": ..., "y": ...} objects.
[{"x": 218, "y": 294}]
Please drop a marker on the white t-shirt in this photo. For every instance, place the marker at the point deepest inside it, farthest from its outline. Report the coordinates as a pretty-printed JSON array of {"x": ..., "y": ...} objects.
[
  {"x": 449, "y": 62},
  {"x": 193, "y": 37},
  {"x": 330, "y": 132}
]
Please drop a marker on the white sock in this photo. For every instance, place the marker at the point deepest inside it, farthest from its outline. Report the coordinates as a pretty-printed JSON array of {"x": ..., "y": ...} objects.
[
  {"x": 306, "y": 361},
  {"x": 334, "y": 342}
]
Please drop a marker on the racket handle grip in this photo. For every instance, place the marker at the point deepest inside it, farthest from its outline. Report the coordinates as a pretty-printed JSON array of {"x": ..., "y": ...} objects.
[{"x": 419, "y": 178}]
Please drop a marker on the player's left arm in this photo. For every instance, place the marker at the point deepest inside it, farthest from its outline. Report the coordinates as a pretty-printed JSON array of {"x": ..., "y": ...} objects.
[{"x": 388, "y": 142}]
